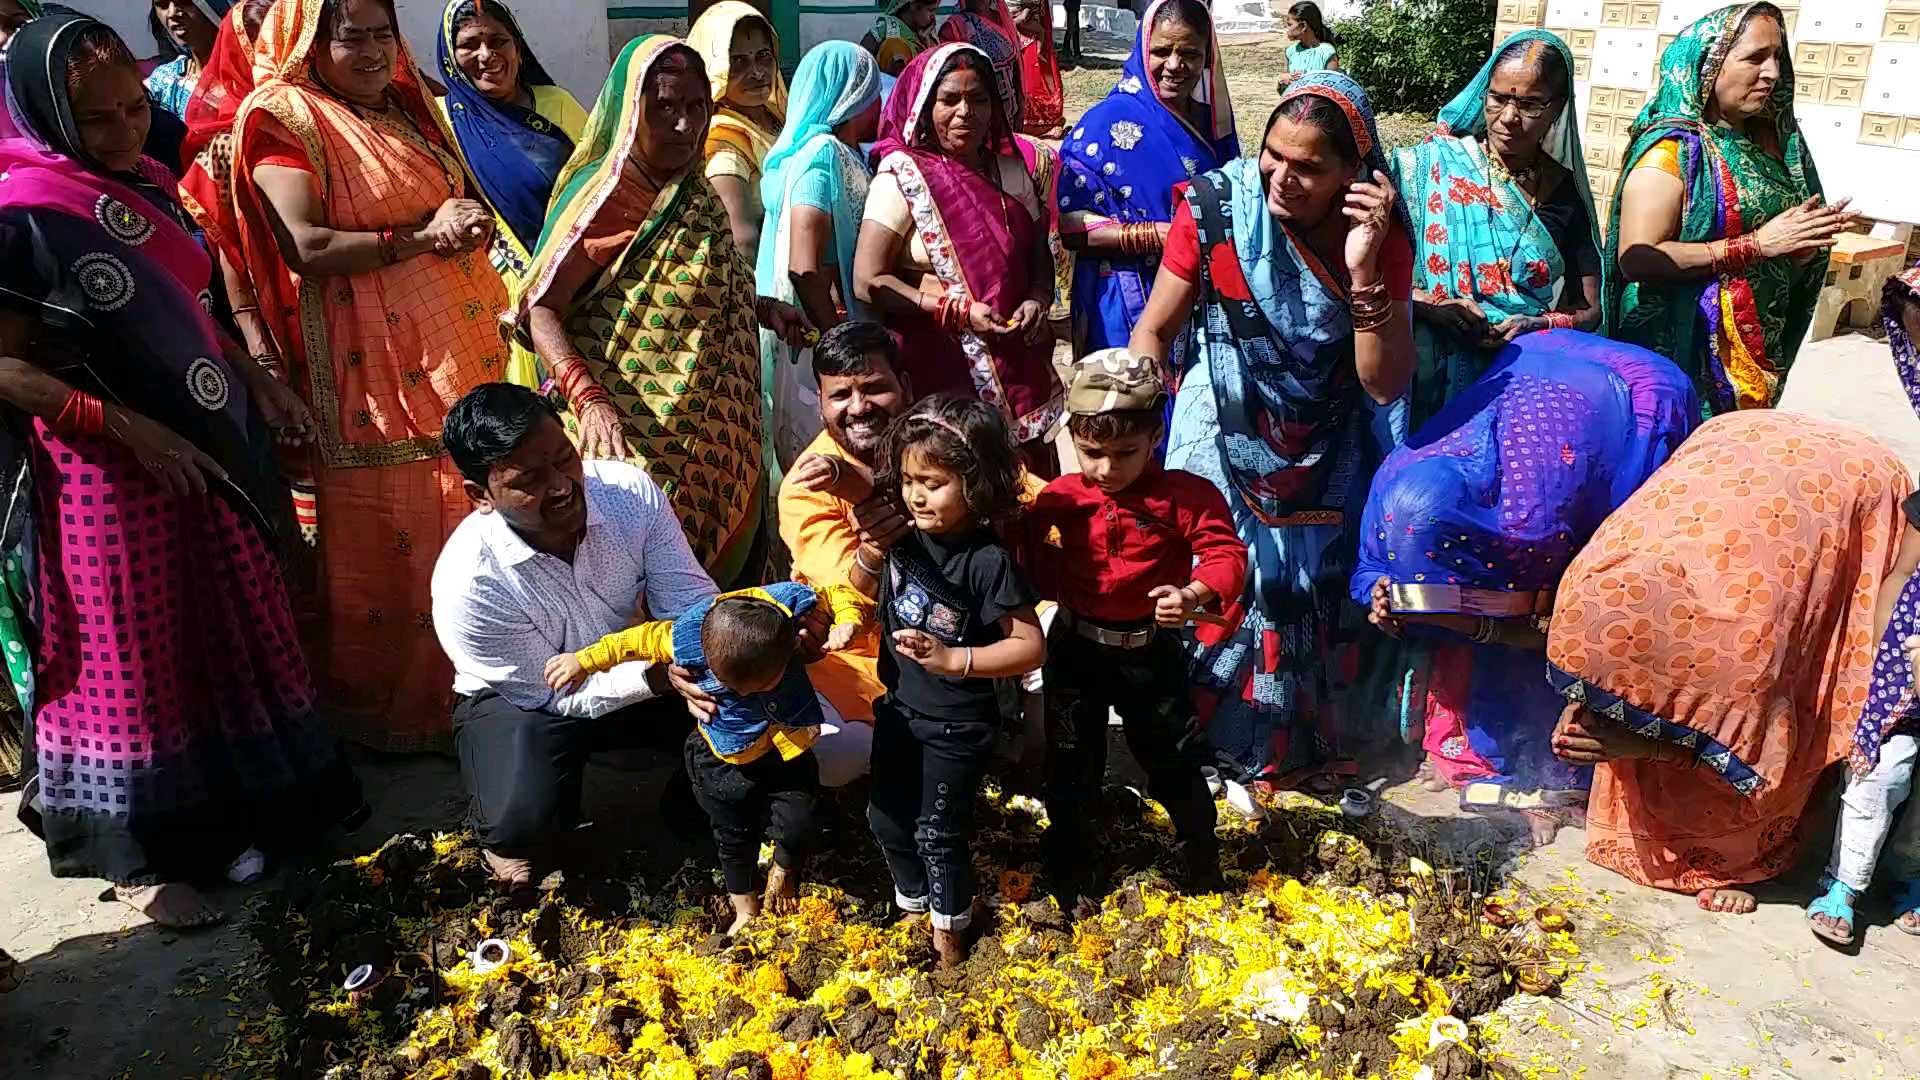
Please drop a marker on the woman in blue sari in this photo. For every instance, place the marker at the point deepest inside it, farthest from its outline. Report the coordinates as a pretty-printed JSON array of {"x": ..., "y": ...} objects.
[
  {"x": 1505, "y": 242},
  {"x": 515, "y": 127},
  {"x": 1470, "y": 525},
  {"x": 814, "y": 187},
  {"x": 1281, "y": 302},
  {"x": 1166, "y": 121}
]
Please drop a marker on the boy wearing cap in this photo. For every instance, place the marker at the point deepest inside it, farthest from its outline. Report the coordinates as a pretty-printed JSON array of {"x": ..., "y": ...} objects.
[{"x": 1141, "y": 548}]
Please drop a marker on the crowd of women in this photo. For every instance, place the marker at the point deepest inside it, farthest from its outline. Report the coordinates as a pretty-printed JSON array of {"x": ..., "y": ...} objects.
[{"x": 1459, "y": 422}]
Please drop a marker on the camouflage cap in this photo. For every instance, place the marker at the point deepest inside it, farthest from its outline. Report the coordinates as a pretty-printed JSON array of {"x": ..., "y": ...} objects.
[{"x": 1114, "y": 380}]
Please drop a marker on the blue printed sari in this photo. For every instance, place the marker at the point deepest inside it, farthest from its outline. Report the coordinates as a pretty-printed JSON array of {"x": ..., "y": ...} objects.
[
  {"x": 1479, "y": 238},
  {"x": 1270, "y": 409},
  {"x": 1480, "y": 514},
  {"x": 1121, "y": 162}
]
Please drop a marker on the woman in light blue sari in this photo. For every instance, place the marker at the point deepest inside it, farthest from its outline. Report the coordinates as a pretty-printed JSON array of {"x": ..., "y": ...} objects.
[
  {"x": 814, "y": 188},
  {"x": 1167, "y": 120},
  {"x": 1505, "y": 242},
  {"x": 1281, "y": 303}
]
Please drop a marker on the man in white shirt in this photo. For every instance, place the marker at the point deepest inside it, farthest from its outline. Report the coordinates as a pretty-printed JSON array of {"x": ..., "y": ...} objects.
[{"x": 557, "y": 554}]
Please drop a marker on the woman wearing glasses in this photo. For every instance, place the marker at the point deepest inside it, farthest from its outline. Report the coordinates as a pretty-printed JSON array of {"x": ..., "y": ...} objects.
[{"x": 1504, "y": 237}]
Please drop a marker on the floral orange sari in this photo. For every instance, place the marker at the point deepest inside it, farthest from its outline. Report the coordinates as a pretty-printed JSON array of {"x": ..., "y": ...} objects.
[
  {"x": 380, "y": 357},
  {"x": 1728, "y": 607}
]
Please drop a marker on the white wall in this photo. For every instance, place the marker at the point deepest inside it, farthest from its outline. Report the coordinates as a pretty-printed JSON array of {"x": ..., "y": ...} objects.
[{"x": 569, "y": 36}]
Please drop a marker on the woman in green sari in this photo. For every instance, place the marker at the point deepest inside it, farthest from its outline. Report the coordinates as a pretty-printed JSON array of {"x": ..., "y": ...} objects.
[
  {"x": 639, "y": 304},
  {"x": 1719, "y": 236}
]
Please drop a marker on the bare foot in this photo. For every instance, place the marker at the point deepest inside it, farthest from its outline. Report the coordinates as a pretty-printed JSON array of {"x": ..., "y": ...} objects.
[
  {"x": 1542, "y": 826},
  {"x": 1727, "y": 901},
  {"x": 783, "y": 890},
  {"x": 949, "y": 948},
  {"x": 512, "y": 873},
  {"x": 745, "y": 907},
  {"x": 1908, "y": 923},
  {"x": 175, "y": 904},
  {"x": 1429, "y": 777}
]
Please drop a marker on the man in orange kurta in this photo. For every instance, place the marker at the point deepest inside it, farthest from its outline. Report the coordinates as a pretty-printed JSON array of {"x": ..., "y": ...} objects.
[{"x": 860, "y": 394}]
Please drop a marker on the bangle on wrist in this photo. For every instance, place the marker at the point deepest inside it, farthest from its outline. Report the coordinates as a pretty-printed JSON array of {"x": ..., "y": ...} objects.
[
  {"x": 860, "y": 560},
  {"x": 81, "y": 414},
  {"x": 967, "y": 672}
]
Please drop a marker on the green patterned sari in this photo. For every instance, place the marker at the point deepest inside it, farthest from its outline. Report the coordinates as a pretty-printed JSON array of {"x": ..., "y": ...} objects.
[
  {"x": 667, "y": 326},
  {"x": 1735, "y": 334}
]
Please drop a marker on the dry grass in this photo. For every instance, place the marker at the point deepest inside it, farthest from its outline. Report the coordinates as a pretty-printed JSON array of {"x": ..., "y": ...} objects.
[{"x": 1253, "y": 74}]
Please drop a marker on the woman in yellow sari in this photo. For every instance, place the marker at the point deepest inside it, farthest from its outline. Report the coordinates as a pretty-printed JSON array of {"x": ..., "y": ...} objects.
[
  {"x": 384, "y": 322},
  {"x": 644, "y": 311},
  {"x": 515, "y": 129},
  {"x": 742, "y": 55}
]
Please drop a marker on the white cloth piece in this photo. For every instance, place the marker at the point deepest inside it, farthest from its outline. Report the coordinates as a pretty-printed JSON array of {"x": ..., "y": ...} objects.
[
  {"x": 502, "y": 609},
  {"x": 250, "y": 867},
  {"x": 844, "y": 750},
  {"x": 1871, "y": 819}
]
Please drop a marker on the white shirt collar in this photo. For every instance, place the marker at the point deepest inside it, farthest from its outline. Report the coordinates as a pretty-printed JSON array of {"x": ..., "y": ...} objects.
[{"x": 511, "y": 549}]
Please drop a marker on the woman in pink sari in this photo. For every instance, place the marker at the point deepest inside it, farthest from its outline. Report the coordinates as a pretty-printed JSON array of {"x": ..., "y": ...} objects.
[{"x": 956, "y": 251}]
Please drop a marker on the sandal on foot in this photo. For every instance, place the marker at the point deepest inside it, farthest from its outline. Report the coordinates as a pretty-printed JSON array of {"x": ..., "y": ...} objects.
[
  {"x": 1836, "y": 903},
  {"x": 1906, "y": 907}
]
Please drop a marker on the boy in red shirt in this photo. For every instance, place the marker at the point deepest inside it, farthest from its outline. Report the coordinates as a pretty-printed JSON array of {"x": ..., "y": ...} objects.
[{"x": 1140, "y": 550}]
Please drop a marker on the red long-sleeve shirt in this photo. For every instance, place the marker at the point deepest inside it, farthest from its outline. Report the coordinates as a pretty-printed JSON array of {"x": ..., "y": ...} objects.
[{"x": 1167, "y": 528}]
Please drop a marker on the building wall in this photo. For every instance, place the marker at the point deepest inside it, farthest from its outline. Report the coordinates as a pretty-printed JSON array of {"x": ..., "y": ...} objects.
[{"x": 1856, "y": 85}]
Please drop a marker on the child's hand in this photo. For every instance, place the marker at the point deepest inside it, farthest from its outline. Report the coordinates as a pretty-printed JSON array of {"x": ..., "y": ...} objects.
[
  {"x": 922, "y": 649},
  {"x": 816, "y": 472},
  {"x": 564, "y": 674},
  {"x": 841, "y": 636},
  {"x": 1380, "y": 613},
  {"x": 1172, "y": 607}
]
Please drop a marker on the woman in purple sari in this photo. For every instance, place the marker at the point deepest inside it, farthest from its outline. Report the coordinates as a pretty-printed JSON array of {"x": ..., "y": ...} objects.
[
  {"x": 175, "y": 723},
  {"x": 955, "y": 251},
  {"x": 1469, "y": 526}
]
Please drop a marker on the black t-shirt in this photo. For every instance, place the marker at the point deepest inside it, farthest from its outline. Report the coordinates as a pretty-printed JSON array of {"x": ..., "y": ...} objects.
[
  {"x": 1912, "y": 507},
  {"x": 956, "y": 589}
]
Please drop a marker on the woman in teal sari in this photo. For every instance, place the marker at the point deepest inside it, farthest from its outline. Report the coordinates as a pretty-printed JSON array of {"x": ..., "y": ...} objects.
[
  {"x": 814, "y": 186},
  {"x": 1718, "y": 244},
  {"x": 1504, "y": 236}
]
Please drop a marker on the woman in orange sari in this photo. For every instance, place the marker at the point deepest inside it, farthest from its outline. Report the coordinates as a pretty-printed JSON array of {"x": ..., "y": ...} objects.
[
  {"x": 1715, "y": 642},
  {"x": 385, "y": 322}
]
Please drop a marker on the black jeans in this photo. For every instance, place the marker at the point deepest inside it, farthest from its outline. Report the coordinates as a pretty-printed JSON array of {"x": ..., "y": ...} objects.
[
  {"x": 1148, "y": 687},
  {"x": 927, "y": 772},
  {"x": 523, "y": 770},
  {"x": 767, "y": 797}
]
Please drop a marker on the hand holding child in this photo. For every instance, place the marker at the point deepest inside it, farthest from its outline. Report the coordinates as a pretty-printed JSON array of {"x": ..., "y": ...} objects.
[
  {"x": 564, "y": 674},
  {"x": 817, "y": 472},
  {"x": 1172, "y": 607},
  {"x": 923, "y": 649}
]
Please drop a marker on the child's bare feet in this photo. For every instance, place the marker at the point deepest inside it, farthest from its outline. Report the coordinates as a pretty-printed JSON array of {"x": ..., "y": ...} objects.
[
  {"x": 949, "y": 948},
  {"x": 746, "y": 906},
  {"x": 1542, "y": 826},
  {"x": 783, "y": 890}
]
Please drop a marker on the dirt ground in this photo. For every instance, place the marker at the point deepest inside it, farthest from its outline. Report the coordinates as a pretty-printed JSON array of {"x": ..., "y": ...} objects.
[{"x": 1670, "y": 991}]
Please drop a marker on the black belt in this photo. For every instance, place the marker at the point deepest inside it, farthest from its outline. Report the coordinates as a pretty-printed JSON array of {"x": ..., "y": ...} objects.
[{"x": 1113, "y": 639}]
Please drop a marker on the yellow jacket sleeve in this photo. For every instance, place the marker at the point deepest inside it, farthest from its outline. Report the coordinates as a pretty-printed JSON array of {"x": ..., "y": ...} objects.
[
  {"x": 848, "y": 604},
  {"x": 650, "y": 641}
]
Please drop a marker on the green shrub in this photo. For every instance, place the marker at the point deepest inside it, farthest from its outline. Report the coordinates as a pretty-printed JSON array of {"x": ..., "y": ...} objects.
[{"x": 1414, "y": 55}]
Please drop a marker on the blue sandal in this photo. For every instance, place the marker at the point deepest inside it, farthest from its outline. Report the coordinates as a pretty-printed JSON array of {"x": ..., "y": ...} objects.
[
  {"x": 1906, "y": 901},
  {"x": 1836, "y": 903}
]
